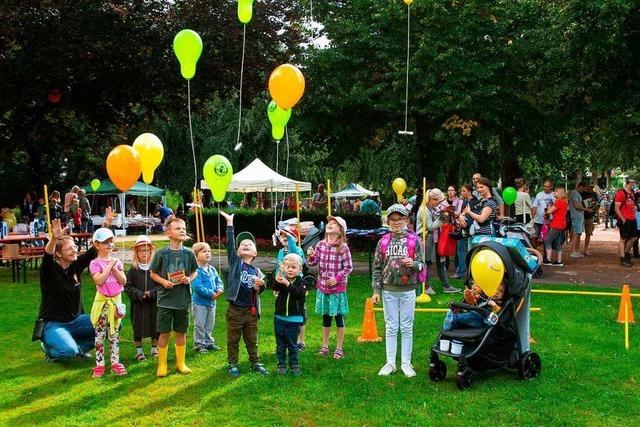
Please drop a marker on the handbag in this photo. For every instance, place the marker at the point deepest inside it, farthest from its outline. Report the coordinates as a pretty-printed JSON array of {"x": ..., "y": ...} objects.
[
  {"x": 38, "y": 330},
  {"x": 446, "y": 245},
  {"x": 544, "y": 231}
]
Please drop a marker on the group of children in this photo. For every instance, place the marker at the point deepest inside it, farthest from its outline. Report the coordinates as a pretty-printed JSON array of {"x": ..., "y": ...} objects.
[{"x": 162, "y": 286}]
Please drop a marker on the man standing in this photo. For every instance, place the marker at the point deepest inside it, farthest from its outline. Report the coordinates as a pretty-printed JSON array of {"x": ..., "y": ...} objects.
[
  {"x": 625, "y": 206},
  {"x": 319, "y": 199},
  {"x": 476, "y": 176},
  {"x": 543, "y": 200},
  {"x": 576, "y": 213}
]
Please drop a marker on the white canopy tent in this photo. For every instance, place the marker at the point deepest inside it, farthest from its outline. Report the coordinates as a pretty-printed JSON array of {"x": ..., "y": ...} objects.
[{"x": 259, "y": 177}]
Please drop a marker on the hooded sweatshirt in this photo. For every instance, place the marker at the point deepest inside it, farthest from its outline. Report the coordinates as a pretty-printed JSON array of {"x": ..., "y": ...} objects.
[{"x": 389, "y": 273}]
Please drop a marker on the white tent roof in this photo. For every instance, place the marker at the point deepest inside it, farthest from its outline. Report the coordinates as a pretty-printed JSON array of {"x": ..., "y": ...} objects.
[
  {"x": 259, "y": 177},
  {"x": 354, "y": 190}
]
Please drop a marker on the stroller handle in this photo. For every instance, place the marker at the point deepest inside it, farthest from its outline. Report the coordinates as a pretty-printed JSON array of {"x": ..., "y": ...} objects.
[{"x": 464, "y": 306}]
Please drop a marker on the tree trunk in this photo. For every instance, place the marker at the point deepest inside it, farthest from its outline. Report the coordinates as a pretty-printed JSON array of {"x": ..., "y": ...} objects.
[{"x": 510, "y": 167}]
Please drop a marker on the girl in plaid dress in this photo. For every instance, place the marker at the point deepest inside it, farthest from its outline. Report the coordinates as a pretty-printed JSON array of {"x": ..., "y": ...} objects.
[{"x": 333, "y": 258}]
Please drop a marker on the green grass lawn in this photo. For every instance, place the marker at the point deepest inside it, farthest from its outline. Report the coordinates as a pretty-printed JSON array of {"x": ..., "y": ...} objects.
[{"x": 588, "y": 378}]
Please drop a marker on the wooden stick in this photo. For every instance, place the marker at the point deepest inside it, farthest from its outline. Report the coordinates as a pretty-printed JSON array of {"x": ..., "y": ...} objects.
[
  {"x": 201, "y": 216},
  {"x": 444, "y": 310},
  {"x": 298, "y": 212},
  {"x": 46, "y": 206},
  {"x": 329, "y": 198},
  {"x": 626, "y": 326}
]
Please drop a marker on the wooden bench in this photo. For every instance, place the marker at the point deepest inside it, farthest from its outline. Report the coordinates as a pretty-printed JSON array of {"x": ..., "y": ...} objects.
[{"x": 19, "y": 258}]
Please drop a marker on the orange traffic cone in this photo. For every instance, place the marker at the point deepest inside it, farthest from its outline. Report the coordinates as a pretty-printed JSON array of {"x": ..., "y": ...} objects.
[
  {"x": 625, "y": 304},
  {"x": 369, "y": 330}
]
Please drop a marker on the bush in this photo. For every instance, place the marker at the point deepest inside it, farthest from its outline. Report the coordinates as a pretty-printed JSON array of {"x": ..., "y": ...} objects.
[{"x": 261, "y": 222}]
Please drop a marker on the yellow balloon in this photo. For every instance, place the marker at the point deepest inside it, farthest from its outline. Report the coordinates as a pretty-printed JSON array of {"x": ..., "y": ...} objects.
[
  {"x": 399, "y": 186},
  {"x": 151, "y": 152},
  {"x": 408, "y": 2},
  {"x": 487, "y": 270}
]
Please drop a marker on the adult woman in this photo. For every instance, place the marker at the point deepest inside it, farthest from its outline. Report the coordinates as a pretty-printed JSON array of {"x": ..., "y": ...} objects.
[
  {"x": 432, "y": 221},
  {"x": 29, "y": 207},
  {"x": 488, "y": 209},
  {"x": 67, "y": 331},
  {"x": 523, "y": 201}
]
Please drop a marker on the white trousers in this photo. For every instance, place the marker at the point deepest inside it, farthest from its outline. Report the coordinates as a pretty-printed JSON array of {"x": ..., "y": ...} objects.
[{"x": 399, "y": 311}]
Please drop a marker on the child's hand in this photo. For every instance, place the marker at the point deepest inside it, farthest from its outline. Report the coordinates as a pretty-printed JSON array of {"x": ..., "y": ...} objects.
[
  {"x": 228, "y": 217},
  {"x": 280, "y": 278},
  {"x": 168, "y": 284},
  {"x": 407, "y": 262},
  {"x": 185, "y": 280},
  {"x": 257, "y": 282},
  {"x": 216, "y": 295},
  {"x": 492, "y": 303},
  {"x": 332, "y": 281},
  {"x": 147, "y": 294},
  {"x": 108, "y": 216},
  {"x": 310, "y": 251},
  {"x": 375, "y": 299}
]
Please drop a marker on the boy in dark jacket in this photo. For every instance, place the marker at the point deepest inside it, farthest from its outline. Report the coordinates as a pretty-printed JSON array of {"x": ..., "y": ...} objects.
[{"x": 289, "y": 312}]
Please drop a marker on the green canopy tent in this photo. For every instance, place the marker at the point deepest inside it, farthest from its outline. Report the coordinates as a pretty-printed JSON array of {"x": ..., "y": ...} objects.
[{"x": 138, "y": 189}]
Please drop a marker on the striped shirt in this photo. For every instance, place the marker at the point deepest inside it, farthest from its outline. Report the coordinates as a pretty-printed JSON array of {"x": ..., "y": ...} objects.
[{"x": 332, "y": 262}]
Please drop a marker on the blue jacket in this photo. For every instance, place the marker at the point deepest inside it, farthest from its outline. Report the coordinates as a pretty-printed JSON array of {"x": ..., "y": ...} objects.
[
  {"x": 206, "y": 283},
  {"x": 240, "y": 275}
]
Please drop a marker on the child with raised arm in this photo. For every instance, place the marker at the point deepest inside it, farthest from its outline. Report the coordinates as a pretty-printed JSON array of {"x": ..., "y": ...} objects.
[
  {"x": 289, "y": 312},
  {"x": 143, "y": 294},
  {"x": 245, "y": 284},
  {"x": 333, "y": 258},
  {"x": 108, "y": 273},
  {"x": 205, "y": 289},
  {"x": 174, "y": 268}
]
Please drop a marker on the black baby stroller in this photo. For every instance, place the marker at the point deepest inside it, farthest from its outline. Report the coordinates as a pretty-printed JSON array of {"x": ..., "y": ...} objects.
[
  {"x": 509, "y": 227},
  {"x": 504, "y": 344}
]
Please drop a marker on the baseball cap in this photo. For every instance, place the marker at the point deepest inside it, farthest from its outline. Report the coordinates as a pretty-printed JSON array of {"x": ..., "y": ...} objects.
[
  {"x": 397, "y": 208},
  {"x": 102, "y": 235},
  {"x": 340, "y": 221},
  {"x": 244, "y": 235},
  {"x": 142, "y": 240}
]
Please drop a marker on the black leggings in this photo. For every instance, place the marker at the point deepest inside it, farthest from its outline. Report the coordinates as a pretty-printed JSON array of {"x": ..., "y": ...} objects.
[{"x": 326, "y": 320}]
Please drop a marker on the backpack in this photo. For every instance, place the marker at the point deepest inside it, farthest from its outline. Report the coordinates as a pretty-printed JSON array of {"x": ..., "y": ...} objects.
[{"x": 412, "y": 241}]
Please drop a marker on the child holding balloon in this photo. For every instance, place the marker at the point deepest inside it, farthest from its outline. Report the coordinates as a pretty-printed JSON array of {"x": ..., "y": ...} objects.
[{"x": 333, "y": 258}]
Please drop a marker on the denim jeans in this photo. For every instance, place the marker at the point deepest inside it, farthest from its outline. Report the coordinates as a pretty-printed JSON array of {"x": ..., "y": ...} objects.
[
  {"x": 467, "y": 319},
  {"x": 64, "y": 340},
  {"x": 204, "y": 318},
  {"x": 286, "y": 339},
  {"x": 399, "y": 310},
  {"x": 461, "y": 253}
]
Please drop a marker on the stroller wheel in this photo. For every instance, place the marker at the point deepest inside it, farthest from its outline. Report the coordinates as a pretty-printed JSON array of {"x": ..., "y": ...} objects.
[
  {"x": 529, "y": 366},
  {"x": 437, "y": 371},
  {"x": 464, "y": 379}
]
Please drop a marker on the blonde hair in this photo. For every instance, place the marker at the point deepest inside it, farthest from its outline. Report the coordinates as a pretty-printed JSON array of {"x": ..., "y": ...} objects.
[
  {"x": 171, "y": 219},
  {"x": 199, "y": 247},
  {"x": 562, "y": 193},
  {"x": 293, "y": 257},
  {"x": 136, "y": 261}
]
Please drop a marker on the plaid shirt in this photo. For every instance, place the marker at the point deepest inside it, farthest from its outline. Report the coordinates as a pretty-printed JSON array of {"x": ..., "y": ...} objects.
[{"x": 332, "y": 262}]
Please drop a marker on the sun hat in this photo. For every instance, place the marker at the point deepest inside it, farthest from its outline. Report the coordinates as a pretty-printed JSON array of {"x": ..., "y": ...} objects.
[
  {"x": 436, "y": 194},
  {"x": 102, "y": 235},
  {"x": 397, "y": 208},
  {"x": 340, "y": 221},
  {"x": 142, "y": 240},
  {"x": 244, "y": 235}
]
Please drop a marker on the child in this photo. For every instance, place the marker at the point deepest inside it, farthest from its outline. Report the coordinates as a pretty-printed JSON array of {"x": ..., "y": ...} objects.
[
  {"x": 143, "y": 292},
  {"x": 174, "y": 268},
  {"x": 287, "y": 238},
  {"x": 108, "y": 273},
  {"x": 205, "y": 290},
  {"x": 289, "y": 312},
  {"x": 333, "y": 258},
  {"x": 398, "y": 260},
  {"x": 473, "y": 319},
  {"x": 245, "y": 284}
]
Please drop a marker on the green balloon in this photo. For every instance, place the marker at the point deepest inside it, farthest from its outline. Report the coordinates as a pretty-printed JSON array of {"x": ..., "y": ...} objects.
[
  {"x": 187, "y": 46},
  {"x": 245, "y": 10},
  {"x": 217, "y": 172},
  {"x": 279, "y": 119},
  {"x": 509, "y": 195},
  {"x": 95, "y": 184}
]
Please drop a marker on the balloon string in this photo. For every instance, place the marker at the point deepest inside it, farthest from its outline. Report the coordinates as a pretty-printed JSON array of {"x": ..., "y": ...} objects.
[
  {"x": 286, "y": 174},
  {"x": 244, "y": 34},
  {"x": 311, "y": 22},
  {"x": 193, "y": 149},
  {"x": 406, "y": 94},
  {"x": 146, "y": 232},
  {"x": 219, "y": 242},
  {"x": 275, "y": 205}
]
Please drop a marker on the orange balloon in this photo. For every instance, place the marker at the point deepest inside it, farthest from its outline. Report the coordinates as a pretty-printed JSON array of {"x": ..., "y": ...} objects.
[
  {"x": 286, "y": 85},
  {"x": 123, "y": 167}
]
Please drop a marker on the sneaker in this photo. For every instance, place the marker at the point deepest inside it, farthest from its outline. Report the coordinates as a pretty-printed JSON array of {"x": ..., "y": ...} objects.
[
  {"x": 47, "y": 358},
  {"x": 234, "y": 371},
  {"x": 547, "y": 262},
  {"x": 301, "y": 346},
  {"x": 154, "y": 353},
  {"x": 450, "y": 289},
  {"x": 430, "y": 291},
  {"x": 387, "y": 370},
  {"x": 296, "y": 371},
  {"x": 98, "y": 372},
  {"x": 575, "y": 255},
  {"x": 140, "y": 357},
  {"x": 282, "y": 370},
  {"x": 259, "y": 368},
  {"x": 212, "y": 347},
  {"x": 200, "y": 350},
  {"x": 408, "y": 370},
  {"x": 557, "y": 264},
  {"x": 118, "y": 369}
]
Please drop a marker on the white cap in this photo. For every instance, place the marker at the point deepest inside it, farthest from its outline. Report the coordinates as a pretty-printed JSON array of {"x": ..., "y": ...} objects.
[{"x": 102, "y": 235}]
